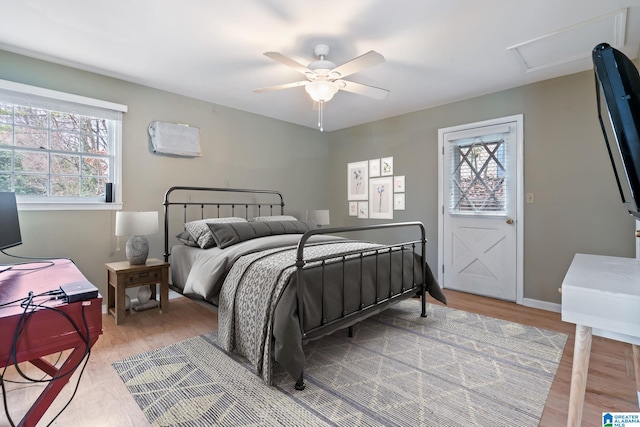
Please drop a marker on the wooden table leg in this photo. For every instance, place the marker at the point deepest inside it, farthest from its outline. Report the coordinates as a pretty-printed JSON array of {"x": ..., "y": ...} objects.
[
  {"x": 120, "y": 312},
  {"x": 636, "y": 368},
  {"x": 53, "y": 388},
  {"x": 581, "y": 354}
]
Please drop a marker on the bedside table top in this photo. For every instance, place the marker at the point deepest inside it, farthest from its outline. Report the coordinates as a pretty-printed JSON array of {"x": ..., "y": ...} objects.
[{"x": 124, "y": 265}]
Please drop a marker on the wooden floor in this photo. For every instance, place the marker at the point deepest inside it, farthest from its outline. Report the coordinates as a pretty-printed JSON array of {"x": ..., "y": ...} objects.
[{"x": 102, "y": 399}]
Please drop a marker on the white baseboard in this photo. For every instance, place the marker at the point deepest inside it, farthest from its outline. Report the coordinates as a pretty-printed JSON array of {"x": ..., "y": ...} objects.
[{"x": 543, "y": 305}]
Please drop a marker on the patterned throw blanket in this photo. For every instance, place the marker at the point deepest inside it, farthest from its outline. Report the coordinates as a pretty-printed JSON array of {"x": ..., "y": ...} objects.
[{"x": 251, "y": 292}]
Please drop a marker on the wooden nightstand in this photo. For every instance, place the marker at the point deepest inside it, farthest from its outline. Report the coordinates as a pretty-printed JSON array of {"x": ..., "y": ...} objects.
[{"x": 122, "y": 275}]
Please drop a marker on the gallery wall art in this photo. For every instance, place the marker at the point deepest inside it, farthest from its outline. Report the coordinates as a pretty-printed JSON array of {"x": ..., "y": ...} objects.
[{"x": 372, "y": 189}]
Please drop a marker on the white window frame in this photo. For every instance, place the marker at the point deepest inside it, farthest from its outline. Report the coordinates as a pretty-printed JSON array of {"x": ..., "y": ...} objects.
[{"x": 72, "y": 203}]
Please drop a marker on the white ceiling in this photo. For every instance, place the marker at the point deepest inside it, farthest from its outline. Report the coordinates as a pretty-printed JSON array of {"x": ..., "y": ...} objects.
[{"x": 437, "y": 51}]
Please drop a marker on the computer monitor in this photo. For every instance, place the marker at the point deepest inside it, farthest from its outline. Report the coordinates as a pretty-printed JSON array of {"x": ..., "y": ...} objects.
[
  {"x": 617, "y": 80},
  {"x": 9, "y": 224}
]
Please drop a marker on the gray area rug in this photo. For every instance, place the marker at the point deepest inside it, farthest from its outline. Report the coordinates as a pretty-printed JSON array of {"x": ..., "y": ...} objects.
[{"x": 452, "y": 368}]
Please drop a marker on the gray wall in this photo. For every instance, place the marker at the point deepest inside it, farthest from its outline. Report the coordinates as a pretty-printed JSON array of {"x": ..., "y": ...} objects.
[
  {"x": 577, "y": 207},
  {"x": 239, "y": 150}
]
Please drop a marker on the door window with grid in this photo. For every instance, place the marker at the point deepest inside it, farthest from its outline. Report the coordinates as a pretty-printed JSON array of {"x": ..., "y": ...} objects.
[{"x": 477, "y": 174}]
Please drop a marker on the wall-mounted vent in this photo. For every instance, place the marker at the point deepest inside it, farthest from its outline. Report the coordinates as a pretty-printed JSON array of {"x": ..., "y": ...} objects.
[{"x": 175, "y": 139}]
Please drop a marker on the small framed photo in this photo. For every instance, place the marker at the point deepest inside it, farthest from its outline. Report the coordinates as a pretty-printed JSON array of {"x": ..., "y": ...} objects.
[
  {"x": 398, "y": 201},
  {"x": 374, "y": 168},
  {"x": 353, "y": 208},
  {"x": 357, "y": 178},
  {"x": 398, "y": 184},
  {"x": 363, "y": 210},
  {"x": 386, "y": 166},
  {"x": 381, "y": 200}
]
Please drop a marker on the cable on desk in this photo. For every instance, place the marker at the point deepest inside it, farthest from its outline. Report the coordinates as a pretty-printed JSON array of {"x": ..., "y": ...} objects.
[
  {"x": 29, "y": 308},
  {"x": 49, "y": 261}
]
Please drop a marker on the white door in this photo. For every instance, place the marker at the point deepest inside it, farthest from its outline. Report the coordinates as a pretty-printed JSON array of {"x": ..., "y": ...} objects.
[{"x": 480, "y": 245}]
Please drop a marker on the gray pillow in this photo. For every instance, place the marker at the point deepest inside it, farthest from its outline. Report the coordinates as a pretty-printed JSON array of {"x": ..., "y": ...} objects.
[
  {"x": 187, "y": 239},
  {"x": 202, "y": 234},
  {"x": 229, "y": 234}
]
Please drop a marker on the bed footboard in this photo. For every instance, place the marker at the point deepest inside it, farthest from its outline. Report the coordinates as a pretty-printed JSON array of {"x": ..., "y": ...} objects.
[{"x": 402, "y": 266}]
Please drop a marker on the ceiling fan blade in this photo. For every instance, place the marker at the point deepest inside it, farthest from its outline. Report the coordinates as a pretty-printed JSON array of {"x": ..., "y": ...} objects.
[
  {"x": 367, "y": 60},
  {"x": 362, "y": 89},
  {"x": 276, "y": 56},
  {"x": 283, "y": 86}
]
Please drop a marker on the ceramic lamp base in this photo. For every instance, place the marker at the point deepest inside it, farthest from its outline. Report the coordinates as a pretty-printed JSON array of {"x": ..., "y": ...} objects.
[{"x": 137, "y": 250}]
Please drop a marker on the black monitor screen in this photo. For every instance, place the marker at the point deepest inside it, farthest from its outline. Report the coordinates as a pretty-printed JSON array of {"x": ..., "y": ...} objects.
[
  {"x": 9, "y": 224},
  {"x": 618, "y": 83}
]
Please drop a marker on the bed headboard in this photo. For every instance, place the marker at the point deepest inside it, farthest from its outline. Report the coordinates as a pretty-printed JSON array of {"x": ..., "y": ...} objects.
[{"x": 212, "y": 202}]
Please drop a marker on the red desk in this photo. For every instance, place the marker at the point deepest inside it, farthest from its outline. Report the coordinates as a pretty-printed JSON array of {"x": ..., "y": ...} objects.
[{"x": 46, "y": 331}]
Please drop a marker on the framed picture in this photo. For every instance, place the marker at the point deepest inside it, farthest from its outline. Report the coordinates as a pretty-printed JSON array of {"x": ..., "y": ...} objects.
[
  {"x": 357, "y": 177},
  {"x": 363, "y": 210},
  {"x": 386, "y": 166},
  {"x": 381, "y": 200},
  {"x": 398, "y": 184},
  {"x": 374, "y": 168},
  {"x": 398, "y": 201},
  {"x": 353, "y": 208}
]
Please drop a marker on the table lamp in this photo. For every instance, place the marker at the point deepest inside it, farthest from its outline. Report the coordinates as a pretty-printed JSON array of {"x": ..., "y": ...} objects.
[
  {"x": 137, "y": 225},
  {"x": 319, "y": 216}
]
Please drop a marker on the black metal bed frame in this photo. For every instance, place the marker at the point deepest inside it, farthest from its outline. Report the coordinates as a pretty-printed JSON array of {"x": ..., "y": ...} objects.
[
  {"x": 218, "y": 205},
  {"x": 301, "y": 262}
]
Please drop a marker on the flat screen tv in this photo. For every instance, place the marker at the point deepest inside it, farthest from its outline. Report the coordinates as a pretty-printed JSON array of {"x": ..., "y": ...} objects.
[
  {"x": 9, "y": 224},
  {"x": 618, "y": 82}
]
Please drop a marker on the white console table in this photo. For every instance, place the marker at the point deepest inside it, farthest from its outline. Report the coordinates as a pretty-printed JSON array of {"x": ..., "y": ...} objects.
[{"x": 601, "y": 295}]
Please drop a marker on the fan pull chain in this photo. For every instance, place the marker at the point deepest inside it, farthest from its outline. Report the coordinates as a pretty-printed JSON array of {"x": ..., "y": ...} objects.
[{"x": 320, "y": 115}]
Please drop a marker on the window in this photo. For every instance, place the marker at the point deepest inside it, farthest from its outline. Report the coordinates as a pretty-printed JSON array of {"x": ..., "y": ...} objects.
[
  {"x": 57, "y": 150},
  {"x": 478, "y": 175}
]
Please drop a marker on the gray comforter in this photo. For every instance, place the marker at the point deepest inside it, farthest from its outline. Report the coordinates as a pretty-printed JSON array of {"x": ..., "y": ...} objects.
[
  {"x": 258, "y": 312},
  {"x": 207, "y": 268}
]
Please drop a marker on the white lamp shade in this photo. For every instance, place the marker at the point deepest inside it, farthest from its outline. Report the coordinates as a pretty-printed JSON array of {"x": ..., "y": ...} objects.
[
  {"x": 136, "y": 223},
  {"x": 319, "y": 216}
]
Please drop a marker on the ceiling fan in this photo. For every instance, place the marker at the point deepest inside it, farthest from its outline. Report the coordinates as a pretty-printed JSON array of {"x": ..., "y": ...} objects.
[{"x": 324, "y": 79}]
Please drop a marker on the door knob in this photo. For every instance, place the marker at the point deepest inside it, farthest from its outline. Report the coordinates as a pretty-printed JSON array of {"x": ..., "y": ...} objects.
[{"x": 509, "y": 221}]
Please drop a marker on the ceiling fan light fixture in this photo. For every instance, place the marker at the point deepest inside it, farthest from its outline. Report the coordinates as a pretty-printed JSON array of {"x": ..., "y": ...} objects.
[{"x": 321, "y": 90}]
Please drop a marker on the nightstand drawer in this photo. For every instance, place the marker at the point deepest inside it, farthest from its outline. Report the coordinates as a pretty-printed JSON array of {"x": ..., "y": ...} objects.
[{"x": 139, "y": 277}]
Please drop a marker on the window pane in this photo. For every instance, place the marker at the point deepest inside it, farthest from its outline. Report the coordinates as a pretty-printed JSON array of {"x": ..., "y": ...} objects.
[
  {"x": 6, "y": 113},
  {"x": 5, "y": 160},
  {"x": 6, "y": 134},
  {"x": 5, "y": 182},
  {"x": 65, "y": 186},
  {"x": 31, "y": 185},
  {"x": 65, "y": 164},
  {"x": 97, "y": 140},
  {"x": 30, "y": 137},
  {"x": 65, "y": 121},
  {"x": 31, "y": 116},
  {"x": 95, "y": 166},
  {"x": 64, "y": 141},
  {"x": 93, "y": 187},
  {"x": 29, "y": 161}
]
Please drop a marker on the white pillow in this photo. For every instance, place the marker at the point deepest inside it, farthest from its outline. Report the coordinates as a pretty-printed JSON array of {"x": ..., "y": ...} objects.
[
  {"x": 275, "y": 218},
  {"x": 201, "y": 233}
]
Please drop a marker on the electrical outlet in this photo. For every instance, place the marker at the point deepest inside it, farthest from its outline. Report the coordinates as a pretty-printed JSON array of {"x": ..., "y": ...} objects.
[{"x": 530, "y": 198}]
